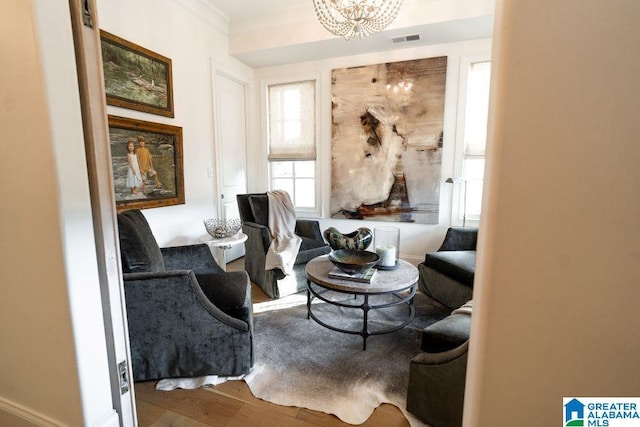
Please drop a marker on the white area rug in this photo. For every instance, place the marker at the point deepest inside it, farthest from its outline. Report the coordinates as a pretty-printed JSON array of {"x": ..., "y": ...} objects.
[{"x": 300, "y": 363}]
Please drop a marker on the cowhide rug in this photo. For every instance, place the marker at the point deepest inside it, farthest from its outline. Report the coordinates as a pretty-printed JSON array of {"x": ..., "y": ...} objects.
[{"x": 300, "y": 363}]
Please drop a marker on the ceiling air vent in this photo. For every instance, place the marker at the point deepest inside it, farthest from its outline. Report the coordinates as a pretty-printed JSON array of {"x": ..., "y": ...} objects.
[{"x": 405, "y": 39}]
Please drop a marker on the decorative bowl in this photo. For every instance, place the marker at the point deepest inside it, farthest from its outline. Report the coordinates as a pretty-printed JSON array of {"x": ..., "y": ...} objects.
[
  {"x": 359, "y": 239},
  {"x": 352, "y": 261},
  {"x": 222, "y": 228}
]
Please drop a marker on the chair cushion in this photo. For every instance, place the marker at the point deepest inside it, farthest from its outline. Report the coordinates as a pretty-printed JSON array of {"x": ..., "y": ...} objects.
[
  {"x": 446, "y": 334},
  {"x": 460, "y": 239},
  {"x": 458, "y": 265},
  {"x": 230, "y": 292},
  {"x": 260, "y": 209},
  {"x": 138, "y": 248}
]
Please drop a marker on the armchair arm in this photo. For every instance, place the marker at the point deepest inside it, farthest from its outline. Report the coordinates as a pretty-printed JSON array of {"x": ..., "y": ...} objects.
[
  {"x": 176, "y": 331},
  {"x": 191, "y": 257},
  {"x": 258, "y": 236},
  {"x": 258, "y": 241},
  {"x": 309, "y": 228},
  {"x": 174, "y": 294},
  {"x": 452, "y": 357},
  {"x": 460, "y": 239},
  {"x": 436, "y": 386}
]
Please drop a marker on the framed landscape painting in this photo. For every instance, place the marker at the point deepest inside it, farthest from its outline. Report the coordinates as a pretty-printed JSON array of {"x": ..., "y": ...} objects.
[
  {"x": 147, "y": 163},
  {"x": 135, "y": 77}
]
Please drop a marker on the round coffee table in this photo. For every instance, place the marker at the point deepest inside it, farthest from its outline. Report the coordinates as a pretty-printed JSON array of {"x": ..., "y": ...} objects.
[{"x": 400, "y": 283}]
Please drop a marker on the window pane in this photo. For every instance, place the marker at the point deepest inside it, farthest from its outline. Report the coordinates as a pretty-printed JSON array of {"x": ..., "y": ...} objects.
[
  {"x": 473, "y": 178},
  {"x": 474, "y": 199},
  {"x": 305, "y": 194},
  {"x": 281, "y": 169},
  {"x": 298, "y": 179},
  {"x": 284, "y": 184},
  {"x": 473, "y": 169},
  {"x": 305, "y": 169}
]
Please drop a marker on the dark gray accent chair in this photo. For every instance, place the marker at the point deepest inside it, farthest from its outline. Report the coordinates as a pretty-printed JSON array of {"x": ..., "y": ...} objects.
[
  {"x": 254, "y": 214},
  {"x": 437, "y": 377},
  {"x": 186, "y": 316},
  {"x": 448, "y": 274}
]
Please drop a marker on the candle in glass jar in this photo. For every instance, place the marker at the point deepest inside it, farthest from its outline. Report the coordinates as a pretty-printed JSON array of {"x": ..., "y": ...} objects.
[{"x": 387, "y": 255}]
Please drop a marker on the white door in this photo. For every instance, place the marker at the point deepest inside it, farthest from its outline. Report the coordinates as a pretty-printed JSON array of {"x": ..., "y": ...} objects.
[{"x": 231, "y": 149}]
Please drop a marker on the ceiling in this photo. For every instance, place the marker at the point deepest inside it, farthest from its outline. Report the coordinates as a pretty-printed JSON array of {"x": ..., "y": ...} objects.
[
  {"x": 247, "y": 12},
  {"x": 242, "y": 9}
]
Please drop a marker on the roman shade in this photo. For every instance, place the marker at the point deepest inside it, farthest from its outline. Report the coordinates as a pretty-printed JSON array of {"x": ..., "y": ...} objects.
[{"x": 292, "y": 128}]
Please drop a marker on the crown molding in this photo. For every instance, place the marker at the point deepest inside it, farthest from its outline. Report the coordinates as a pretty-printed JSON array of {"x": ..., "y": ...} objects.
[{"x": 206, "y": 11}]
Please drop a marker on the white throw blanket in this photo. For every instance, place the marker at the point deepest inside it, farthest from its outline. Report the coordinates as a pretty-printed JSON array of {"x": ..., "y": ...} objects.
[{"x": 285, "y": 244}]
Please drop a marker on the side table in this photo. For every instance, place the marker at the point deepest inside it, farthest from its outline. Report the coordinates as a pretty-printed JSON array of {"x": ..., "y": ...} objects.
[{"x": 218, "y": 247}]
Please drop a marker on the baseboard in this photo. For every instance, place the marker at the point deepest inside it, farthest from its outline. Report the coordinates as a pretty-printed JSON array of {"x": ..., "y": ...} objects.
[{"x": 13, "y": 414}]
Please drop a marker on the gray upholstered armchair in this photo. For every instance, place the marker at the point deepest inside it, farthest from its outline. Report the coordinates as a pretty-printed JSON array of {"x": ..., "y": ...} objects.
[
  {"x": 186, "y": 316},
  {"x": 254, "y": 213},
  {"x": 437, "y": 377},
  {"x": 448, "y": 274}
]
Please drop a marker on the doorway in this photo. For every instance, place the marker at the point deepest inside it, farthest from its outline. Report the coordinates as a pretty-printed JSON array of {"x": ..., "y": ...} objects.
[{"x": 230, "y": 146}]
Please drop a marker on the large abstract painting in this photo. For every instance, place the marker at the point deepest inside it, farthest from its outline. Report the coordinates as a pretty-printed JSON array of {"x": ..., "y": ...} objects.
[{"x": 386, "y": 144}]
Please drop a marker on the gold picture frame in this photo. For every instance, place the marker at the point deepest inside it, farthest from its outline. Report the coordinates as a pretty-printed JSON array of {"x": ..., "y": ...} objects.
[
  {"x": 136, "y": 78},
  {"x": 151, "y": 174}
]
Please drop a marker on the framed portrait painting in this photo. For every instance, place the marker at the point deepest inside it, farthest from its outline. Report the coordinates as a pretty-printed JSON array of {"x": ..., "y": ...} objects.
[
  {"x": 135, "y": 77},
  {"x": 147, "y": 163}
]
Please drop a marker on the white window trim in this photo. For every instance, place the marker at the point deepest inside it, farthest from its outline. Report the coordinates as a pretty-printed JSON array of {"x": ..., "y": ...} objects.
[
  {"x": 458, "y": 186},
  {"x": 264, "y": 123}
]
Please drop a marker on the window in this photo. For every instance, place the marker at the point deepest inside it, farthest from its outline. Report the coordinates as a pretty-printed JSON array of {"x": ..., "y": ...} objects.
[
  {"x": 474, "y": 108},
  {"x": 298, "y": 179},
  {"x": 292, "y": 141}
]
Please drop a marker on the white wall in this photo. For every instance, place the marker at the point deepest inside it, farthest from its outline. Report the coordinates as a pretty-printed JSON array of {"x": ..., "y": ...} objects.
[
  {"x": 416, "y": 239},
  {"x": 53, "y": 358},
  {"x": 557, "y": 280},
  {"x": 193, "y": 36}
]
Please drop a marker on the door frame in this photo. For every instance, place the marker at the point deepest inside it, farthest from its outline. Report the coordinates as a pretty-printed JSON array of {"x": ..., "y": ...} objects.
[
  {"x": 88, "y": 52},
  {"x": 217, "y": 70}
]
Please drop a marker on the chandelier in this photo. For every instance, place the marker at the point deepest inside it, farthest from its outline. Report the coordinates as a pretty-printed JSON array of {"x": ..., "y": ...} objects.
[{"x": 349, "y": 18}]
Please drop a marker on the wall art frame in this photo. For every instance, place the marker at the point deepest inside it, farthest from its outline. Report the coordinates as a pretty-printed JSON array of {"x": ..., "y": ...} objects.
[
  {"x": 136, "y": 78},
  {"x": 157, "y": 149}
]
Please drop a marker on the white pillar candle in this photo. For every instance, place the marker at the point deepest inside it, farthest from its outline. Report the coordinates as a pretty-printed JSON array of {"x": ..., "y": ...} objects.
[{"x": 387, "y": 255}]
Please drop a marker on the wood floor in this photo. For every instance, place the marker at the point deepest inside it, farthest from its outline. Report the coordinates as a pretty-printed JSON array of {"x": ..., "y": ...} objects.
[{"x": 232, "y": 404}]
